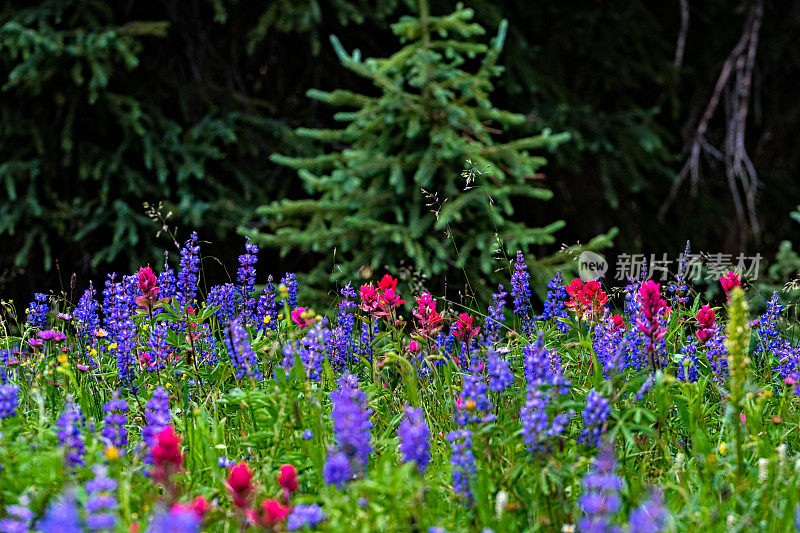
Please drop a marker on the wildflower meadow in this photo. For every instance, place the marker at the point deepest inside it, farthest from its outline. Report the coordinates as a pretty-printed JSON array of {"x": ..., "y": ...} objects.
[{"x": 153, "y": 403}]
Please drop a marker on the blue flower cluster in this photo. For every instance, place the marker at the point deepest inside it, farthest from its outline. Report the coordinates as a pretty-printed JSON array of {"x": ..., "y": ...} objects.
[
  {"x": 289, "y": 280},
  {"x": 305, "y": 517},
  {"x": 18, "y": 519},
  {"x": 768, "y": 335},
  {"x": 69, "y": 434},
  {"x": 85, "y": 315},
  {"x": 475, "y": 406},
  {"x": 156, "y": 413},
  {"x": 555, "y": 304},
  {"x": 62, "y": 516},
  {"x": 594, "y": 418},
  {"x": 463, "y": 462},
  {"x": 189, "y": 273},
  {"x": 500, "y": 376},
  {"x": 246, "y": 277},
  {"x": 494, "y": 320},
  {"x": 521, "y": 291},
  {"x": 414, "y": 438},
  {"x": 267, "y": 308},
  {"x": 342, "y": 352},
  {"x": 9, "y": 400},
  {"x": 352, "y": 425},
  {"x": 114, "y": 431},
  {"x": 243, "y": 358},
  {"x": 600, "y": 500},
  {"x": 101, "y": 504},
  {"x": 310, "y": 348},
  {"x": 37, "y": 311},
  {"x": 174, "y": 521},
  {"x": 224, "y": 297},
  {"x": 121, "y": 328}
]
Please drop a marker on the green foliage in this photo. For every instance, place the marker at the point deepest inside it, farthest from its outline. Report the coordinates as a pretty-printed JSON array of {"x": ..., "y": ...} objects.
[
  {"x": 93, "y": 132},
  {"x": 306, "y": 16},
  {"x": 391, "y": 189}
]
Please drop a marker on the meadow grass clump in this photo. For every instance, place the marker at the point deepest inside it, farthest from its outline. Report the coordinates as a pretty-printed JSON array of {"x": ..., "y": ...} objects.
[{"x": 156, "y": 406}]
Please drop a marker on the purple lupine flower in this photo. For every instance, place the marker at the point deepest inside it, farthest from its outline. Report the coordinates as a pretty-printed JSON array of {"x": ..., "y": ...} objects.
[
  {"x": 600, "y": 500},
  {"x": 594, "y": 418},
  {"x": 159, "y": 349},
  {"x": 61, "y": 516},
  {"x": 69, "y": 434},
  {"x": 337, "y": 470},
  {"x": 500, "y": 376},
  {"x": 174, "y": 521},
  {"x": 539, "y": 364},
  {"x": 717, "y": 354},
  {"x": 18, "y": 520},
  {"x": 449, "y": 345},
  {"x": 101, "y": 503},
  {"x": 535, "y": 421},
  {"x": 156, "y": 413},
  {"x": 206, "y": 345},
  {"x": 555, "y": 306},
  {"x": 167, "y": 282},
  {"x": 678, "y": 288},
  {"x": 343, "y": 334},
  {"x": 686, "y": 369},
  {"x": 243, "y": 358},
  {"x": 246, "y": 277},
  {"x": 644, "y": 389},
  {"x": 37, "y": 311},
  {"x": 289, "y": 281},
  {"x": 608, "y": 342},
  {"x": 462, "y": 461},
  {"x": 114, "y": 431},
  {"x": 474, "y": 405},
  {"x": 305, "y": 516},
  {"x": 494, "y": 321},
  {"x": 364, "y": 348},
  {"x": 414, "y": 434},
  {"x": 351, "y": 423},
  {"x": 189, "y": 273},
  {"x": 3, "y": 366},
  {"x": 224, "y": 297},
  {"x": 310, "y": 348},
  {"x": 267, "y": 308},
  {"x": 86, "y": 319},
  {"x": 121, "y": 328},
  {"x": 9, "y": 400},
  {"x": 650, "y": 516},
  {"x": 521, "y": 291},
  {"x": 768, "y": 335},
  {"x": 537, "y": 427}
]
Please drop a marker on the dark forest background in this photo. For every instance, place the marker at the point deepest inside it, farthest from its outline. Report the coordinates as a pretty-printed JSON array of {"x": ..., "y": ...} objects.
[{"x": 107, "y": 105}]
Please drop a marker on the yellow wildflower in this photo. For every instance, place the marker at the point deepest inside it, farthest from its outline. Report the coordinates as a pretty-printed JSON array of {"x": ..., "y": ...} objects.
[{"x": 112, "y": 453}]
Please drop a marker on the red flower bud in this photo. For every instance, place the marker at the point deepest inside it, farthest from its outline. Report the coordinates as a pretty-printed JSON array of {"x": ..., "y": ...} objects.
[
  {"x": 240, "y": 484},
  {"x": 288, "y": 478},
  {"x": 271, "y": 513},
  {"x": 167, "y": 450}
]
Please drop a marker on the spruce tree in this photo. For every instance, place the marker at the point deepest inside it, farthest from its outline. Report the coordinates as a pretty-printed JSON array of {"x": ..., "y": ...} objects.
[{"x": 393, "y": 188}]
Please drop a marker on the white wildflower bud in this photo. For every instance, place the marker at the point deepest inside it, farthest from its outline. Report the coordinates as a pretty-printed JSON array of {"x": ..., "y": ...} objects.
[
  {"x": 731, "y": 520},
  {"x": 763, "y": 472},
  {"x": 500, "y": 503},
  {"x": 781, "y": 449},
  {"x": 680, "y": 461}
]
